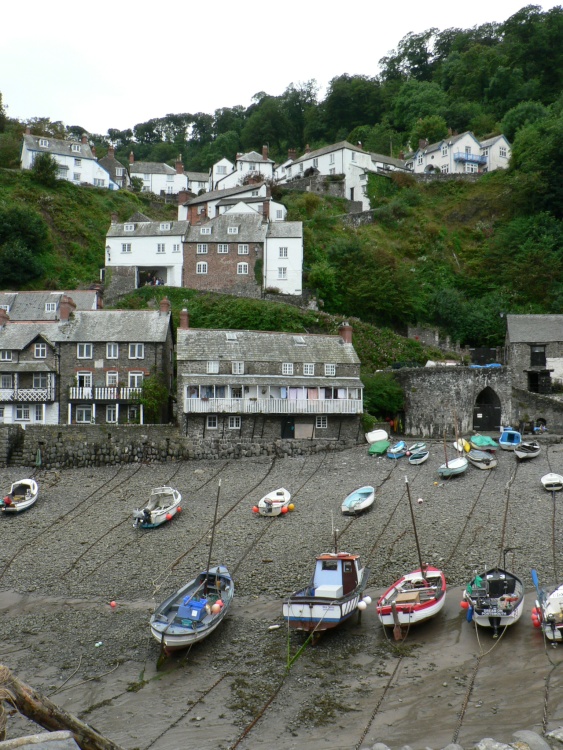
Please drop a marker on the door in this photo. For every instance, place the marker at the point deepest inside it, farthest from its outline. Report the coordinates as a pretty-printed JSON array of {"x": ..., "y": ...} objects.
[
  {"x": 486, "y": 412},
  {"x": 288, "y": 428}
]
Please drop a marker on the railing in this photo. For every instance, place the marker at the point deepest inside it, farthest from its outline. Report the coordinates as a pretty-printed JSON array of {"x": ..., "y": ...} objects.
[
  {"x": 272, "y": 406},
  {"x": 27, "y": 395},
  {"x": 474, "y": 158},
  {"x": 116, "y": 393}
]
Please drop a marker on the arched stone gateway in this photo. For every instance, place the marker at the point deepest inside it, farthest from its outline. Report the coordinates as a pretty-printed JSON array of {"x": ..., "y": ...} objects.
[{"x": 487, "y": 411}]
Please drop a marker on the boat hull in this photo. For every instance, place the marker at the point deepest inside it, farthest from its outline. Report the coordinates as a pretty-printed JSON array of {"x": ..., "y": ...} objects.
[
  {"x": 552, "y": 615},
  {"x": 552, "y": 482},
  {"x": 376, "y": 436},
  {"x": 482, "y": 459},
  {"x": 453, "y": 468},
  {"x": 509, "y": 440},
  {"x": 162, "y": 507},
  {"x": 22, "y": 496},
  {"x": 525, "y": 451},
  {"x": 496, "y": 599},
  {"x": 273, "y": 503},
  {"x": 431, "y": 599},
  {"x": 419, "y": 458},
  {"x": 358, "y": 501}
]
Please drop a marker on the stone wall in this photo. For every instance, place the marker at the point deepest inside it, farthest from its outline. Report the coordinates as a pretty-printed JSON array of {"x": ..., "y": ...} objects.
[
  {"x": 529, "y": 407},
  {"x": 119, "y": 281},
  {"x": 11, "y": 437},
  {"x": 268, "y": 428},
  {"x": 318, "y": 184}
]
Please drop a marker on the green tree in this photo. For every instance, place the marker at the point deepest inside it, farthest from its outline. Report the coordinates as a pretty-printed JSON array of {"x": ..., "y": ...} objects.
[
  {"x": 525, "y": 113},
  {"x": 383, "y": 395},
  {"x": 19, "y": 264},
  {"x": 154, "y": 398},
  {"x": 45, "y": 169},
  {"x": 432, "y": 129},
  {"x": 416, "y": 100}
]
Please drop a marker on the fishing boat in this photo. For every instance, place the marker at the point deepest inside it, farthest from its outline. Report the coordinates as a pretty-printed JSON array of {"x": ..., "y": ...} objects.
[
  {"x": 548, "y": 612},
  {"x": 552, "y": 482},
  {"x": 379, "y": 448},
  {"x": 275, "y": 503},
  {"x": 494, "y": 599},
  {"x": 416, "y": 596},
  {"x": 22, "y": 495},
  {"x": 526, "y": 450},
  {"x": 417, "y": 447},
  {"x": 359, "y": 500},
  {"x": 194, "y": 611},
  {"x": 419, "y": 457},
  {"x": 375, "y": 436},
  {"x": 398, "y": 450},
  {"x": 462, "y": 445},
  {"x": 453, "y": 467},
  {"x": 334, "y": 594},
  {"x": 509, "y": 439},
  {"x": 483, "y": 443},
  {"x": 482, "y": 459},
  {"x": 162, "y": 506}
]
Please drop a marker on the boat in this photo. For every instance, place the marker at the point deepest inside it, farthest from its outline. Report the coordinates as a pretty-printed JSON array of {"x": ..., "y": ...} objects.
[
  {"x": 462, "y": 445},
  {"x": 379, "y": 448},
  {"x": 419, "y": 457},
  {"x": 494, "y": 599},
  {"x": 194, "y": 611},
  {"x": 22, "y": 495},
  {"x": 453, "y": 467},
  {"x": 359, "y": 500},
  {"x": 162, "y": 506},
  {"x": 375, "y": 436},
  {"x": 398, "y": 450},
  {"x": 334, "y": 594},
  {"x": 525, "y": 450},
  {"x": 482, "y": 459},
  {"x": 509, "y": 439},
  {"x": 275, "y": 503},
  {"x": 416, "y": 596},
  {"x": 548, "y": 612},
  {"x": 483, "y": 443},
  {"x": 552, "y": 482},
  {"x": 417, "y": 447}
]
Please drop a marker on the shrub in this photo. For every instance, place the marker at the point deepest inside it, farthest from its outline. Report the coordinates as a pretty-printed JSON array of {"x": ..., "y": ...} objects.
[{"x": 45, "y": 170}]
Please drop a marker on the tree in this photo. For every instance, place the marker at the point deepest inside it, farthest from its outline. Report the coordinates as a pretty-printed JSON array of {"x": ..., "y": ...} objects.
[
  {"x": 19, "y": 264},
  {"x": 45, "y": 169},
  {"x": 154, "y": 398},
  {"x": 351, "y": 101},
  {"x": 137, "y": 184},
  {"x": 383, "y": 395},
  {"x": 525, "y": 113},
  {"x": 417, "y": 100},
  {"x": 431, "y": 129}
]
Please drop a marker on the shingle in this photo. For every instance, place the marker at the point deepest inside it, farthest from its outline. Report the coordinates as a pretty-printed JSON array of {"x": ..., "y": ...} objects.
[
  {"x": 534, "y": 329},
  {"x": 251, "y": 228},
  {"x": 285, "y": 229},
  {"x": 31, "y": 305},
  {"x": 150, "y": 167},
  {"x": 214, "y": 194},
  {"x": 149, "y": 229},
  {"x": 59, "y": 147}
]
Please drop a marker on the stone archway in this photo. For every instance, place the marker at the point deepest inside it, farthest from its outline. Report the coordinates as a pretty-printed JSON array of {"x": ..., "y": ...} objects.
[{"x": 486, "y": 411}]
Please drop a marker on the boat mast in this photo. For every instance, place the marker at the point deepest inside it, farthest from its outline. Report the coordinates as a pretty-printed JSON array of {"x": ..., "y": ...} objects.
[
  {"x": 212, "y": 536},
  {"x": 445, "y": 450},
  {"x": 422, "y": 566}
]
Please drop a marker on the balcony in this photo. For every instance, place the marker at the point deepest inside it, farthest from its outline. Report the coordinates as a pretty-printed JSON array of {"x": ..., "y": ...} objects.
[
  {"x": 272, "y": 406},
  {"x": 116, "y": 393},
  {"x": 27, "y": 395},
  {"x": 471, "y": 158}
]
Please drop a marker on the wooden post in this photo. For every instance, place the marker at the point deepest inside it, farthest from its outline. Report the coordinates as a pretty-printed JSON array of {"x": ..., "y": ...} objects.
[{"x": 41, "y": 710}]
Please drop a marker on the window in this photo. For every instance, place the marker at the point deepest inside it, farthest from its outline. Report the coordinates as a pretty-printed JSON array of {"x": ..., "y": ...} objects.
[
  {"x": 160, "y": 247},
  {"x": 136, "y": 379},
  {"x": 75, "y": 147},
  {"x": 40, "y": 351},
  {"x": 84, "y": 414},
  {"x": 205, "y": 230},
  {"x": 231, "y": 336},
  {"x": 78, "y": 162},
  {"x": 234, "y": 423},
  {"x": 136, "y": 351},
  {"x": 299, "y": 340},
  {"x": 502, "y": 152},
  {"x": 471, "y": 168},
  {"x": 201, "y": 268},
  {"x": 211, "y": 421},
  {"x": 468, "y": 150},
  {"x": 242, "y": 269},
  {"x": 44, "y": 142},
  {"x": 238, "y": 368},
  {"x": 129, "y": 227},
  {"x": 202, "y": 249},
  {"x": 353, "y": 156},
  {"x": 39, "y": 412},
  {"x": 282, "y": 273},
  {"x": 76, "y": 176},
  {"x": 176, "y": 248},
  {"x": 119, "y": 171},
  {"x": 50, "y": 306},
  {"x": 485, "y": 152},
  {"x": 84, "y": 379},
  {"x": 112, "y": 351},
  {"x": 146, "y": 177},
  {"x": 332, "y": 170},
  {"x": 301, "y": 167},
  {"x": 243, "y": 249},
  {"x": 126, "y": 247},
  {"x": 98, "y": 182},
  {"x": 537, "y": 356},
  {"x": 444, "y": 150},
  {"x": 321, "y": 423},
  {"x": 111, "y": 414},
  {"x": 221, "y": 170},
  {"x": 308, "y": 369},
  {"x": 445, "y": 169},
  {"x": 5, "y": 381},
  {"x": 279, "y": 213},
  {"x": 6, "y": 355},
  {"x": 5, "y": 307},
  {"x": 165, "y": 225},
  {"x": 331, "y": 160},
  {"x": 133, "y": 414},
  {"x": 222, "y": 249},
  {"x": 22, "y": 412},
  {"x": 254, "y": 193},
  {"x": 112, "y": 377},
  {"x": 40, "y": 379},
  {"x": 213, "y": 366},
  {"x": 287, "y": 368},
  {"x": 283, "y": 252},
  {"x": 232, "y": 230},
  {"x": 330, "y": 370},
  {"x": 419, "y": 159},
  {"x": 84, "y": 351},
  {"x": 315, "y": 163}
]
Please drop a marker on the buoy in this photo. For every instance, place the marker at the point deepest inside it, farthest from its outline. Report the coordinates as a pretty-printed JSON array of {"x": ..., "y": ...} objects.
[
  {"x": 367, "y": 599},
  {"x": 215, "y": 608},
  {"x": 362, "y": 605},
  {"x": 435, "y": 484},
  {"x": 220, "y": 602},
  {"x": 178, "y": 509},
  {"x": 291, "y": 506},
  {"x": 113, "y": 605},
  {"x": 408, "y": 453},
  {"x": 464, "y": 604},
  {"x": 420, "y": 501},
  {"x": 169, "y": 516},
  {"x": 255, "y": 509},
  {"x": 284, "y": 510},
  {"x": 536, "y": 623}
]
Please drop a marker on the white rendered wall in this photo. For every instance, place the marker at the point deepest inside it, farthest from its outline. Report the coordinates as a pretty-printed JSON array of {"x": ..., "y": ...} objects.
[
  {"x": 294, "y": 263},
  {"x": 144, "y": 254}
]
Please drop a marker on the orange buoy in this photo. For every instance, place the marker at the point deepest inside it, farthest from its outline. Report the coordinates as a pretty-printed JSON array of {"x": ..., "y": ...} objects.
[
  {"x": 169, "y": 516},
  {"x": 255, "y": 509},
  {"x": 178, "y": 509},
  {"x": 284, "y": 510}
]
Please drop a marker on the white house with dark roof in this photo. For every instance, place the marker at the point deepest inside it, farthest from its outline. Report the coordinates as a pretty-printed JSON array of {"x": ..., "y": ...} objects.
[
  {"x": 215, "y": 202},
  {"x": 76, "y": 160},
  {"x": 197, "y": 181},
  {"x": 159, "y": 178},
  {"x": 461, "y": 154},
  {"x": 235, "y": 385},
  {"x": 250, "y": 166},
  {"x": 152, "y": 249},
  {"x": 283, "y": 257},
  {"x": 497, "y": 150}
]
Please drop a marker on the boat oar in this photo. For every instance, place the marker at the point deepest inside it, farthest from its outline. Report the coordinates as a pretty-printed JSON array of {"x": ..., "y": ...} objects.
[{"x": 536, "y": 582}]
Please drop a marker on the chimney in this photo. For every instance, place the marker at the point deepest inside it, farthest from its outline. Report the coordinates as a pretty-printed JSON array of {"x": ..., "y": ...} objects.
[
  {"x": 402, "y": 155},
  {"x": 84, "y": 138},
  {"x": 266, "y": 210},
  {"x": 93, "y": 151},
  {"x": 345, "y": 331},
  {"x": 265, "y": 153},
  {"x": 239, "y": 154},
  {"x": 184, "y": 319},
  {"x": 360, "y": 145},
  {"x": 111, "y": 152},
  {"x": 114, "y": 218},
  {"x": 66, "y": 307},
  {"x": 164, "y": 306},
  {"x": 131, "y": 157},
  {"x": 422, "y": 143},
  {"x": 184, "y": 196},
  {"x": 307, "y": 149},
  {"x": 291, "y": 154},
  {"x": 27, "y": 130},
  {"x": 179, "y": 165},
  {"x": 4, "y": 318}
]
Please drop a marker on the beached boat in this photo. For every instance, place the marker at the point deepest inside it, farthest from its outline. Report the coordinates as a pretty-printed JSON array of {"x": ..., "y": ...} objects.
[
  {"x": 334, "y": 594},
  {"x": 375, "y": 436},
  {"x": 194, "y": 611},
  {"x": 548, "y": 612},
  {"x": 416, "y": 596},
  {"x": 417, "y": 447},
  {"x": 482, "y": 459},
  {"x": 523, "y": 451},
  {"x": 359, "y": 500},
  {"x": 509, "y": 439},
  {"x": 379, "y": 448},
  {"x": 162, "y": 506},
  {"x": 419, "y": 457},
  {"x": 482, "y": 443},
  {"x": 462, "y": 445},
  {"x": 275, "y": 503},
  {"x": 22, "y": 495},
  {"x": 398, "y": 450},
  {"x": 552, "y": 482},
  {"x": 453, "y": 467},
  {"x": 494, "y": 599}
]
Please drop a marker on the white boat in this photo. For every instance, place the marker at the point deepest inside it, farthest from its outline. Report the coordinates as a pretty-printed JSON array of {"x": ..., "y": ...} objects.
[
  {"x": 552, "y": 482},
  {"x": 453, "y": 467},
  {"x": 162, "y": 506},
  {"x": 417, "y": 447},
  {"x": 494, "y": 599},
  {"x": 462, "y": 445},
  {"x": 482, "y": 459},
  {"x": 414, "y": 597},
  {"x": 22, "y": 495},
  {"x": 376, "y": 435},
  {"x": 419, "y": 458},
  {"x": 194, "y": 611},
  {"x": 524, "y": 451},
  {"x": 275, "y": 503},
  {"x": 548, "y": 612},
  {"x": 359, "y": 500}
]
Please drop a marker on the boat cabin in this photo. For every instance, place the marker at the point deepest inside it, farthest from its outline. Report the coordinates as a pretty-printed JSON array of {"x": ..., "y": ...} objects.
[{"x": 336, "y": 574}]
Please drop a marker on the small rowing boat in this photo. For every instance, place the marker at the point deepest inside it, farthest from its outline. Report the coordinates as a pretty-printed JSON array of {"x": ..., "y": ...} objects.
[
  {"x": 482, "y": 459},
  {"x": 419, "y": 457},
  {"x": 375, "y": 436},
  {"x": 509, "y": 439},
  {"x": 552, "y": 482},
  {"x": 162, "y": 506},
  {"x": 524, "y": 451},
  {"x": 275, "y": 503},
  {"x": 398, "y": 450},
  {"x": 359, "y": 500},
  {"x": 22, "y": 495}
]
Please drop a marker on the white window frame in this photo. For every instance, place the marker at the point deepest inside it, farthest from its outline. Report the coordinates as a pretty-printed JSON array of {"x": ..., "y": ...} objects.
[
  {"x": 221, "y": 169},
  {"x": 84, "y": 351},
  {"x": 136, "y": 351},
  {"x": 205, "y": 230},
  {"x": 282, "y": 273},
  {"x": 212, "y": 366},
  {"x": 22, "y": 413},
  {"x": 82, "y": 414},
  {"x": 176, "y": 248},
  {"x": 112, "y": 378},
  {"x": 165, "y": 225},
  {"x": 202, "y": 248},
  {"x": 128, "y": 227},
  {"x": 232, "y": 230},
  {"x": 242, "y": 269},
  {"x": 222, "y": 248},
  {"x": 111, "y": 414},
  {"x": 444, "y": 150},
  {"x": 76, "y": 148},
  {"x": 237, "y": 368},
  {"x": 445, "y": 169},
  {"x": 6, "y": 380},
  {"x": 40, "y": 379},
  {"x": 502, "y": 152},
  {"x": 331, "y": 159},
  {"x": 308, "y": 368},
  {"x": 420, "y": 160},
  {"x": 283, "y": 252},
  {"x": 234, "y": 423},
  {"x": 243, "y": 249},
  {"x": 279, "y": 213},
  {"x": 6, "y": 355},
  {"x": 330, "y": 370},
  {"x": 135, "y": 378},
  {"x": 321, "y": 422},
  {"x": 85, "y": 377},
  {"x": 125, "y": 247},
  {"x": 39, "y": 416},
  {"x": 98, "y": 182},
  {"x": 315, "y": 162},
  {"x": 78, "y": 162},
  {"x": 287, "y": 368},
  {"x": 201, "y": 269},
  {"x": 76, "y": 176},
  {"x": 44, "y": 142},
  {"x": 160, "y": 248},
  {"x": 50, "y": 306},
  {"x": 112, "y": 350},
  {"x": 212, "y": 422}
]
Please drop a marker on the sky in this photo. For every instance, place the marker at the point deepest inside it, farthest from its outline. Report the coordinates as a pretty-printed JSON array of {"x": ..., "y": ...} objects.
[{"x": 113, "y": 64}]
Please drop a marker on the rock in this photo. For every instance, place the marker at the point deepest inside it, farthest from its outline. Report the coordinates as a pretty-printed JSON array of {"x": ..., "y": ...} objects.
[
  {"x": 531, "y": 739},
  {"x": 489, "y": 744}
]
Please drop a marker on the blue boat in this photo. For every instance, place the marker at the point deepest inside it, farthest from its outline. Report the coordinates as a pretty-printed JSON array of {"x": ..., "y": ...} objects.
[
  {"x": 358, "y": 500},
  {"x": 398, "y": 450},
  {"x": 509, "y": 439}
]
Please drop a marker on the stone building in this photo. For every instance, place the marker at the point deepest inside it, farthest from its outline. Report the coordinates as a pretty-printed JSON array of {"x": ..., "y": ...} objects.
[
  {"x": 235, "y": 385},
  {"x": 534, "y": 351}
]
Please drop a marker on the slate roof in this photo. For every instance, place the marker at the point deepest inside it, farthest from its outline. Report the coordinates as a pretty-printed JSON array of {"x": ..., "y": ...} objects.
[
  {"x": 285, "y": 229},
  {"x": 150, "y": 167},
  {"x": 450, "y": 140},
  {"x": 400, "y": 163},
  {"x": 147, "y": 228},
  {"x": 491, "y": 141},
  {"x": 146, "y": 326},
  {"x": 260, "y": 346},
  {"x": 253, "y": 156},
  {"x": 17, "y": 336},
  {"x": 328, "y": 149},
  {"x": 59, "y": 147},
  {"x": 251, "y": 229},
  {"x": 534, "y": 329},
  {"x": 197, "y": 176},
  {"x": 111, "y": 165},
  {"x": 31, "y": 305},
  {"x": 214, "y": 194}
]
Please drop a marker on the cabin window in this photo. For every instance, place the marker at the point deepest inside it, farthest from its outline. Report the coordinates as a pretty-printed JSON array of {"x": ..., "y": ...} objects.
[{"x": 330, "y": 565}]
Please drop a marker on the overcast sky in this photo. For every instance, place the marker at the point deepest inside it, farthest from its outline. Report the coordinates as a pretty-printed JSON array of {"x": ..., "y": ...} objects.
[{"x": 113, "y": 64}]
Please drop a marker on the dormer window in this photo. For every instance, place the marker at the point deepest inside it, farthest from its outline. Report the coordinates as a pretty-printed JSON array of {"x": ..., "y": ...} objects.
[
  {"x": 5, "y": 307},
  {"x": 205, "y": 230},
  {"x": 75, "y": 147},
  {"x": 50, "y": 307},
  {"x": 299, "y": 341},
  {"x": 129, "y": 227},
  {"x": 44, "y": 142},
  {"x": 230, "y": 336},
  {"x": 165, "y": 225},
  {"x": 232, "y": 230}
]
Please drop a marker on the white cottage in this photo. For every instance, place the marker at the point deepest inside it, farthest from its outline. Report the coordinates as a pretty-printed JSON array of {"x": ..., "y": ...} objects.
[
  {"x": 461, "y": 154},
  {"x": 251, "y": 166}
]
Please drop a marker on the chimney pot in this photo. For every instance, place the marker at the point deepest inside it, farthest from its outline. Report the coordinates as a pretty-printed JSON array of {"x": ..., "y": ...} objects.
[
  {"x": 131, "y": 157},
  {"x": 345, "y": 331},
  {"x": 265, "y": 152},
  {"x": 66, "y": 307},
  {"x": 4, "y": 318},
  {"x": 179, "y": 165},
  {"x": 84, "y": 138},
  {"x": 184, "y": 319},
  {"x": 111, "y": 152},
  {"x": 165, "y": 305}
]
